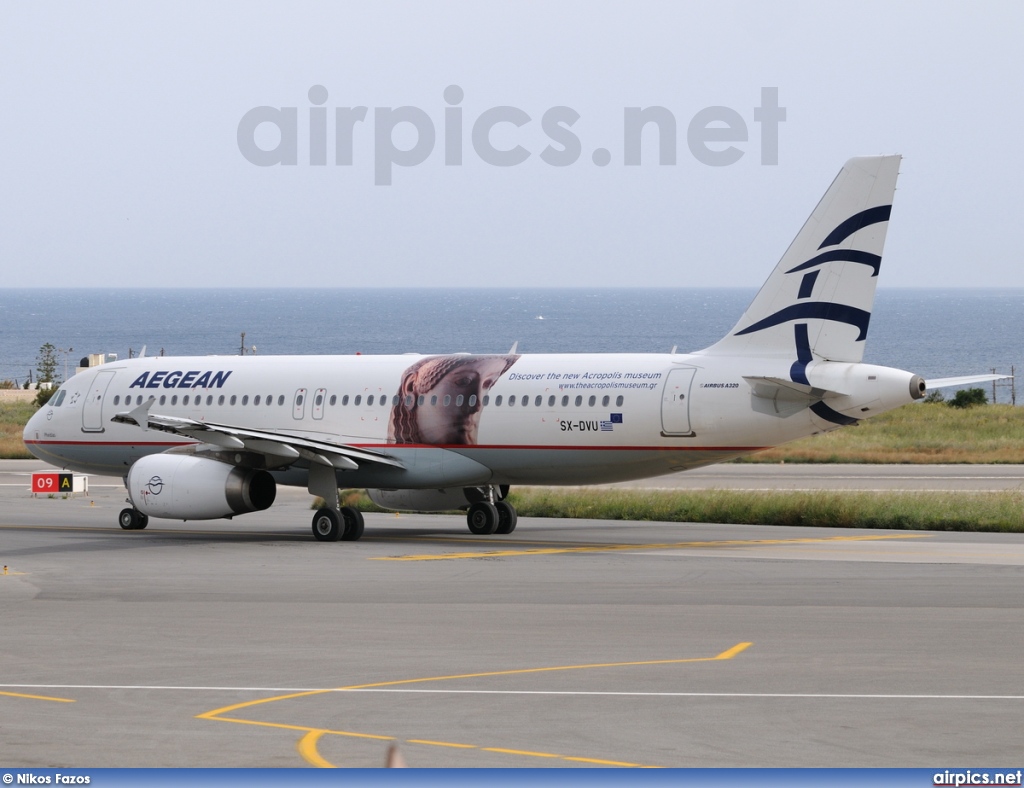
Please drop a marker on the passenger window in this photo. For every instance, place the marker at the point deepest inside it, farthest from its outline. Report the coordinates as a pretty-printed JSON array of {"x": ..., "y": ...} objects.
[
  {"x": 184, "y": 400},
  {"x": 245, "y": 399},
  {"x": 487, "y": 399},
  {"x": 551, "y": 401},
  {"x": 209, "y": 399},
  {"x": 497, "y": 401},
  {"x": 408, "y": 400},
  {"x": 579, "y": 400},
  {"x": 117, "y": 400},
  {"x": 280, "y": 400},
  {"x": 605, "y": 400},
  {"x": 174, "y": 400},
  {"x": 420, "y": 400},
  {"x": 344, "y": 400},
  {"x": 472, "y": 400},
  {"x": 394, "y": 400},
  {"x": 255, "y": 400},
  {"x": 592, "y": 401},
  {"x": 618, "y": 401},
  {"x": 459, "y": 400},
  {"x": 233, "y": 399},
  {"x": 433, "y": 399},
  {"x": 334, "y": 400},
  {"x": 220, "y": 400},
  {"x": 358, "y": 399},
  {"x": 163, "y": 399},
  {"x": 539, "y": 399},
  {"x": 565, "y": 401},
  {"x": 447, "y": 400},
  {"x": 319, "y": 400},
  {"x": 369, "y": 400},
  {"x": 512, "y": 400}
]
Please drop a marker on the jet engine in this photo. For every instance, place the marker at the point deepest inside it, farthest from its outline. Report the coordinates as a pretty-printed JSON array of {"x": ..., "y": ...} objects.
[
  {"x": 433, "y": 500},
  {"x": 186, "y": 487}
]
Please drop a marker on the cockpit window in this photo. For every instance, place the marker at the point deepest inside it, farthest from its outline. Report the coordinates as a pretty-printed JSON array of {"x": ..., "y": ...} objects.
[{"x": 57, "y": 400}]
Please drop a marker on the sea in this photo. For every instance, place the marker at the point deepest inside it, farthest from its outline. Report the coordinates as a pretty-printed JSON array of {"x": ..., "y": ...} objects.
[{"x": 932, "y": 332}]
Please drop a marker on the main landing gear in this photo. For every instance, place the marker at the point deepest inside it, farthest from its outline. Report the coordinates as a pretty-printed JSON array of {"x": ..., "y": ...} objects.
[
  {"x": 491, "y": 517},
  {"x": 132, "y": 520},
  {"x": 345, "y": 524}
]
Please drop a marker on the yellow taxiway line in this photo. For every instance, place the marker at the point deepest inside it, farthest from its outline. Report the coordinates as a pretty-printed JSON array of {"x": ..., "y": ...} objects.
[
  {"x": 307, "y": 744},
  {"x": 665, "y": 546},
  {"x": 36, "y": 697}
]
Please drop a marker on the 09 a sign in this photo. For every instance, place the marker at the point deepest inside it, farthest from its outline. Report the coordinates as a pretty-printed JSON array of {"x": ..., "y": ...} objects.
[{"x": 52, "y": 482}]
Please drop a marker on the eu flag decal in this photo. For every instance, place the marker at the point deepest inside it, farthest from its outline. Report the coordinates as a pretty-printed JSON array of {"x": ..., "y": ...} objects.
[{"x": 613, "y": 419}]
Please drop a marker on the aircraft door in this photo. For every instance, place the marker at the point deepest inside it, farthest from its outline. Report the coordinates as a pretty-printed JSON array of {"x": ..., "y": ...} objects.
[
  {"x": 299, "y": 404},
  {"x": 318, "y": 403},
  {"x": 92, "y": 411},
  {"x": 675, "y": 402}
]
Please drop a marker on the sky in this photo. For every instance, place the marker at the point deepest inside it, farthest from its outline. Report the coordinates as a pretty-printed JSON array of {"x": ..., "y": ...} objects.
[{"x": 128, "y": 132}]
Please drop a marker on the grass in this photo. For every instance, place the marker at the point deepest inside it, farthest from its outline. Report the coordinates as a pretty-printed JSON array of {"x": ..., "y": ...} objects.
[
  {"x": 920, "y": 433},
  {"x": 1001, "y": 511},
  {"x": 13, "y": 417},
  {"x": 925, "y": 511}
]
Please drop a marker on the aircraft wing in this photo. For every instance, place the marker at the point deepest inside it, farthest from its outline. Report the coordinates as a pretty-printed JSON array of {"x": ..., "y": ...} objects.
[
  {"x": 939, "y": 383},
  {"x": 277, "y": 445}
]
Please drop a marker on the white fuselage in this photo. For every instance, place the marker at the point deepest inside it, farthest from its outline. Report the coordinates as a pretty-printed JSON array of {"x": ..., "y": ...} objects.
[{"x": 525, "y": 419}]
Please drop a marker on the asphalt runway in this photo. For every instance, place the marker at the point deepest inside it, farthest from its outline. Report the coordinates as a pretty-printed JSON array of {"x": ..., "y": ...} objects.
[{"x": 568, "y": 643}]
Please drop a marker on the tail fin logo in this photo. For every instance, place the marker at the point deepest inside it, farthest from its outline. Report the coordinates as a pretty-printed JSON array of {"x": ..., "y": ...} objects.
[
  {"x": 825, "y": 310},
  {"x": 822, "y": 310}
]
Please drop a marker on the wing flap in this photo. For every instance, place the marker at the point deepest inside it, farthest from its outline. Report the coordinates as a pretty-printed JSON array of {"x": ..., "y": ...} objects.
[{"x": 294, "y": 447}]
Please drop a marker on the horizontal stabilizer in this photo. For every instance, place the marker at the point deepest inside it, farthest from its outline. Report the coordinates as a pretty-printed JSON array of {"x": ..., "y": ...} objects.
[
  {"x": 789, "y": 388},
  {"x": 965, "y": 380},
  {"x": 781, "y": 397}
]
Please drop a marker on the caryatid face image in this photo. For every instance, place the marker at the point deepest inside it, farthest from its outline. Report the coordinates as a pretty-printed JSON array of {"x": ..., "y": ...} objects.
[{"x": 440, "y": 399}]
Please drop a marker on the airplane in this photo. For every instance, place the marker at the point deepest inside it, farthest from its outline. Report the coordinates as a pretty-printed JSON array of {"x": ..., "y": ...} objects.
[{"x": 212, "y": 437}]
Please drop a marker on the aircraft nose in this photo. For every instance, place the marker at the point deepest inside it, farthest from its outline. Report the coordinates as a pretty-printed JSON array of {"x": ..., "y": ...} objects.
[
  {"x": 31, "y": 427},
  {"x": 34, "y": 427}
]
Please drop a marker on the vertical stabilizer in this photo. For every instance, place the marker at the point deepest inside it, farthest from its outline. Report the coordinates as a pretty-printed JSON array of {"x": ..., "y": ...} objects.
[{"x": 817, "y": 302}]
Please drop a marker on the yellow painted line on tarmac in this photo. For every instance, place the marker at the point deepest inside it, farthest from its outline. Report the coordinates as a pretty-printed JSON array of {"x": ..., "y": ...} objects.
[
  {"x": 307, "y": 744},
  {"x": 529, "y": 753},
  {"x": 307, "y": 749},
  {"x": 732, "y": 652},
  {"x": 441, "y": 744},
  {"x": 663, "y": 546},
  {"x": 36, "y": 697},
  {"x": 601, "y": 762}
]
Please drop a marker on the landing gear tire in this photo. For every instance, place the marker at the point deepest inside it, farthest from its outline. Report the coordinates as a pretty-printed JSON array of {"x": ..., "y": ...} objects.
[
  {"x": 326, "y": 525},
  {"x": 507, "y": 517},
  {"x": 132, "y": 520},
  {"x": 353, "y": 524},
  {"x": 482, "y": 518}
]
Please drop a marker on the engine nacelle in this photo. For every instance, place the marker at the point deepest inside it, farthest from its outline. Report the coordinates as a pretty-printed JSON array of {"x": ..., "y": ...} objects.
[
  {"x": 432, "y": 500},
  {"x": 186, "y": 487}
]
